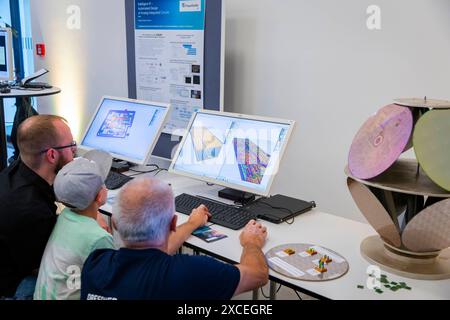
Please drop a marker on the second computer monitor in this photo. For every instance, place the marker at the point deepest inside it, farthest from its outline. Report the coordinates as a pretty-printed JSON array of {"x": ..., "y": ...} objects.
[
  {"x": 127, "y": 129},
  {"x": 236, "y": 151},
  {"x": 6, "y": 55}
]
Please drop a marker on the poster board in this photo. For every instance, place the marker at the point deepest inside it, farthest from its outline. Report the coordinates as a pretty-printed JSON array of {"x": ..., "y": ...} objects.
[{"x": 175, "y": 51}]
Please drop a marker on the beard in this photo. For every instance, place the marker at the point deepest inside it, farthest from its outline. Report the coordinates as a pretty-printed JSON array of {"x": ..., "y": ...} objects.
[{"x": 61, "y": 163}]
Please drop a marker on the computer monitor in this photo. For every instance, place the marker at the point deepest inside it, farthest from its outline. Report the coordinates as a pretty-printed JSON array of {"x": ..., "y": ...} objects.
[
  {"x": 233, "y": 150},
  {"x": 6, "y": 55},
  {"x": 127, "y": 129}
]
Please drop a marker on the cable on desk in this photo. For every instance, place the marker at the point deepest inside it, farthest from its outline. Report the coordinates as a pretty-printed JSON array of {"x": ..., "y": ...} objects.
[
  {"x": 28, "y": 89},
  {"x": 290, "y": 222},
  {"x": 139, "y": 172},
  {"x": 143, "y": 171},
  {"x": 277, "y": 208},
  {"x": 267, "y": 297},
  {"x": 154, "y": 166},
  {"x": 285, "y": 209},
  {"x": 223, "y": 203},
  {"x": 159, "y": 171},
  {"x": 281, "y": 208},
  {"x": 262, "y": 292}
]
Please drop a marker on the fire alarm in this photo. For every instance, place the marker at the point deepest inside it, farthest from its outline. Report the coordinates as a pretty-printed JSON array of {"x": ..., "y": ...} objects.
[{"x": 40, "y": 49}]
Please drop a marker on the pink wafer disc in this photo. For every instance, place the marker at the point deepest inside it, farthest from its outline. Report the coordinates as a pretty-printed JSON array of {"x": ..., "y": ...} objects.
[{"x": 380, "y": 141}]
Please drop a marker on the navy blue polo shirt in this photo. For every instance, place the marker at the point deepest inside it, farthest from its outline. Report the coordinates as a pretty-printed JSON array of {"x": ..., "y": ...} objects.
[{"x": 151, "y": 274}]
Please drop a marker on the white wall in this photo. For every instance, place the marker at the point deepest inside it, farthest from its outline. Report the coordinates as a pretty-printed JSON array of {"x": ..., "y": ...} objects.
[
  {"x": 317, "y": 63},
  {"x": 312, "y": 61},
  {"x": 86, "y": 63}
]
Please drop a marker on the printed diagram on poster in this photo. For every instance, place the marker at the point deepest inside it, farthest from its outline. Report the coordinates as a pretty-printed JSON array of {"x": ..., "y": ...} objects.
[{"x": 169, "y": 38}]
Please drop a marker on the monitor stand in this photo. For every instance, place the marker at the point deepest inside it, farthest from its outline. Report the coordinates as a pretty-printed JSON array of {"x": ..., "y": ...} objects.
[
  {"x": 237, "y": 196},
  {"x": 160, "y": 162},
  {"x": 120, "y": 166}
]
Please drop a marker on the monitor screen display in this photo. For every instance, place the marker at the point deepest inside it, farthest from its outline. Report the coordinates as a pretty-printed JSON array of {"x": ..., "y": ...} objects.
[
  {"x": 236, "y": 151},
  {"x": 128, "y": 129},
  {"x": 6, "y": 55}
]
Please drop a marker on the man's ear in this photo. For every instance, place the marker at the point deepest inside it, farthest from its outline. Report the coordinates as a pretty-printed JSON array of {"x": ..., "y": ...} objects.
[
  {"x": 51, "y": 156},
  {"x": 173, "y": 223},
  {"x": 102, "y": 196}
]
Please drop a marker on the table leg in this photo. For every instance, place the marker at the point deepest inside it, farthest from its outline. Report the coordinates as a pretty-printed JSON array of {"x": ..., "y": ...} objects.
[{"x": 273, "y": 290}]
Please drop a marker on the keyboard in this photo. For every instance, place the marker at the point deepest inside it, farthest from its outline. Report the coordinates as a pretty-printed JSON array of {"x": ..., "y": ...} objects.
[
  {"x": 37, "y": 85},
  {"x": 221, "y": 214},
  {"x": 116, "y": 180}
]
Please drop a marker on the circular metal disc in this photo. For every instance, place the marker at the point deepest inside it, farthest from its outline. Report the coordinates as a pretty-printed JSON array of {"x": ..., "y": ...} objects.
[
  {"x": 300, "y": 266},
  {"x": 422, "y": 103},
  {"x": 430, "y": 229},
  {"x": 374, "y": 212},
  {"x": 380, "y": 141},
  {"x": 431, "y": 141}
]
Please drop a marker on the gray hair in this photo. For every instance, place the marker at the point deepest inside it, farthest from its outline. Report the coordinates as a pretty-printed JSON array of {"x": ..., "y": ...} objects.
[{"x": 143, "y": 210}]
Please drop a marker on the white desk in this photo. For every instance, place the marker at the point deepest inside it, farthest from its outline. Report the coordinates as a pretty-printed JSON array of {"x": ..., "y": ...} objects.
[{"x": 339, "y": 234}]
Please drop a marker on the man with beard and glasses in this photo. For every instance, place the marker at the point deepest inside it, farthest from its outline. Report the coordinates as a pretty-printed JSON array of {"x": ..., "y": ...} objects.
[{"x": 27, "y": 201}]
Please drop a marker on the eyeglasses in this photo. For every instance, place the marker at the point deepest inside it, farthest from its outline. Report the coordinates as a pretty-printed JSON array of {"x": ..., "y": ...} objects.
[{"x": 73, "y": 144}]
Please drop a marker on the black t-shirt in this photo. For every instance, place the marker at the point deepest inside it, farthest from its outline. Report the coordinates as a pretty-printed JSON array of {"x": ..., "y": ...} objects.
[
  {"x": 154, "y": 275},
  {"x": 27, "y": 218}
]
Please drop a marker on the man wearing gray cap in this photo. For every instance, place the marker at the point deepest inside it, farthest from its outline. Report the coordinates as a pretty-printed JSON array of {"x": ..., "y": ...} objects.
[{"x": 80, "y": 186}]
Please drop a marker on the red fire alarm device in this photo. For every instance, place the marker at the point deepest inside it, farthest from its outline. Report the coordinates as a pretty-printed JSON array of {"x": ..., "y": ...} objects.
[{"x": 40, "y": 49}]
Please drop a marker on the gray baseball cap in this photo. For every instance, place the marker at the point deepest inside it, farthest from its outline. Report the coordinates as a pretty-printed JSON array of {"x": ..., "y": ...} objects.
[{"x": 78, "y": 182}]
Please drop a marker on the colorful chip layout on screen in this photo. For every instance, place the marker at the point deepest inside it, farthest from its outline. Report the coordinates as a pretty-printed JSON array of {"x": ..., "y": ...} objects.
[
  {"x": 252, "y": 161},
  {"x": 234, "y": 151},
  {"x": 117, "y": 124}
]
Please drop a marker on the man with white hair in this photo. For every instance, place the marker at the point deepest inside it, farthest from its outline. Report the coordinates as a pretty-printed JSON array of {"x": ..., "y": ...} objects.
[{"x": 144, "y": 269}]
